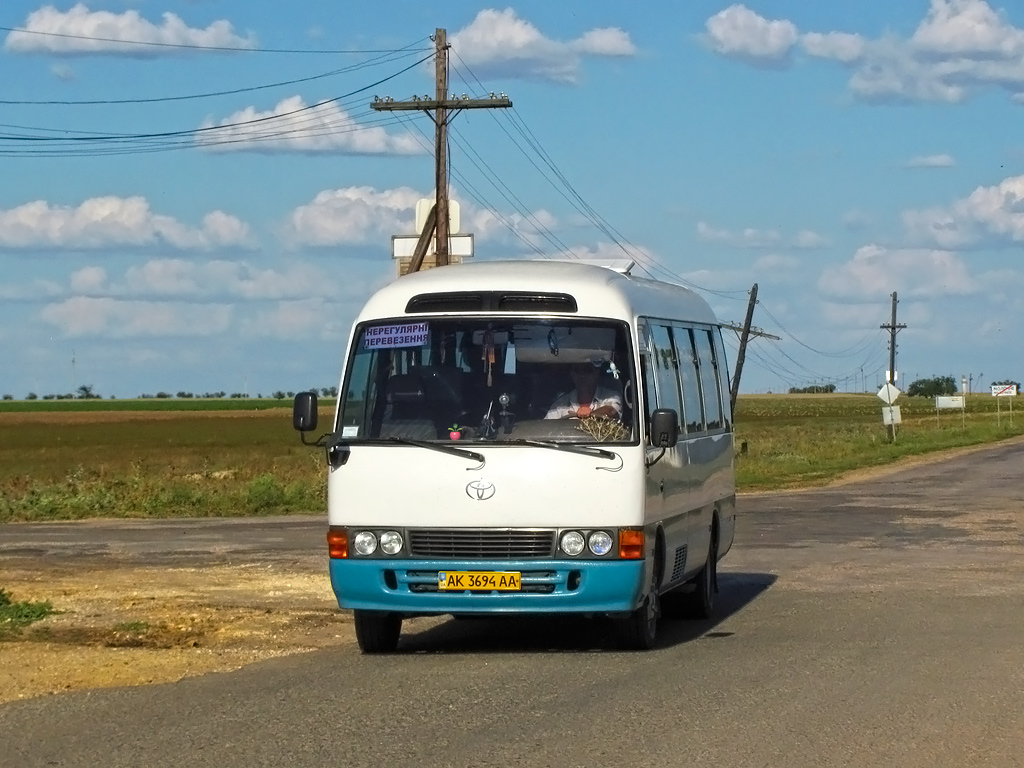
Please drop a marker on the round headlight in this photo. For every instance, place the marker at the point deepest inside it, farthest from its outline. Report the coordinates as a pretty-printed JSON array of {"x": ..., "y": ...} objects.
[
  {"x": 600, "y": 543},
  {"x": 572, "y": 543},
  {"x": 365, "y": 543},
  {"x": 391, "y": 542}
]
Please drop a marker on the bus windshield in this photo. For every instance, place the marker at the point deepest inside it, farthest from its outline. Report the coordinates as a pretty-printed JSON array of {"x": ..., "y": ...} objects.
[{"x": 487, "y": 379}]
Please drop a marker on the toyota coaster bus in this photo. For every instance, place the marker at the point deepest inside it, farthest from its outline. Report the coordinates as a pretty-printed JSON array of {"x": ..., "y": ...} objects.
[{"x": 528, "y": 437}]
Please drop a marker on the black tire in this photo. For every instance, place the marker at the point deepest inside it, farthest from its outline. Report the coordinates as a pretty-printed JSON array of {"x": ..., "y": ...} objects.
[
  {"x": 639, "y": 630},
  {"x": 700, "y": 603},
  {"x": 377, "y": 632}
]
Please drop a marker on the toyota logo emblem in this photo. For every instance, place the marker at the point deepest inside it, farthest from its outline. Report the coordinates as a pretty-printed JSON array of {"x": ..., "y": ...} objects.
[{"x": 480, "y": 490}]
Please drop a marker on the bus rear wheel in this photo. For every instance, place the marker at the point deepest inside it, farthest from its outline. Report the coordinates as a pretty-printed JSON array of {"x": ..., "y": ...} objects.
[
  {"x": 377, "y": 632},
  {"x": 700, "y": 604}
]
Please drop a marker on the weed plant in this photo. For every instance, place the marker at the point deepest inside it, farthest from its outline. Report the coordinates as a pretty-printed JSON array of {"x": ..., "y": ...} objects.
[{"x": 16, "y": 615}]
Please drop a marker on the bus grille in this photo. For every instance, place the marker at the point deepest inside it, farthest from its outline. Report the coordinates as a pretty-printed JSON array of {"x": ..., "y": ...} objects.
[{"x": 481, "y": 544}]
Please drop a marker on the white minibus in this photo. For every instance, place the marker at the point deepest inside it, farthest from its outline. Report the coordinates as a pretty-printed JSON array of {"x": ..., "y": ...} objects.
[{"x": 528, "y": 437}]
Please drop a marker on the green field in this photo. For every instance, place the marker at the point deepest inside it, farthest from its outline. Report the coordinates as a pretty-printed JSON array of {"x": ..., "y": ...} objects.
[
  {"x": 147, "y": 404},
  {"x": 65, "y": 460},
  {"x": 801, "y": 440}
]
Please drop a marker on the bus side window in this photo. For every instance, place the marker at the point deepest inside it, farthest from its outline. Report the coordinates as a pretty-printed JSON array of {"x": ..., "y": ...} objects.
[
  {"x": 708, "y": 378},
  {"x": 722, "y": 364},
  {"x": 688, "y": 378},
  {"x": 666, "y": 370}
]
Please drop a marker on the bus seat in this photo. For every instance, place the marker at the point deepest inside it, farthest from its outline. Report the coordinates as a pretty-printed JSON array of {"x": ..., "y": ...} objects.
[
  {"x": 444, "y": 395},
  {"x": 408, "y": 412}
]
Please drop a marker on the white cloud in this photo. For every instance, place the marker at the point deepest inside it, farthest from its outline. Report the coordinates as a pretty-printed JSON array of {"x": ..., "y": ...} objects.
[
  {"x": 840, "y": 46},
  {"x": 774, "y": 262},
  {"x": 967, "y": 27},
  {"x": 63, "y": 72},
  {"x": 36, "y": 289},
  {"x": 609, "y": 41},
  {"x": 757, "y": 238},
  {"x": 805, "y": 238},
  {"x": 930, "y": 161},
  {"x": 294, "y": 126},
  {"x": 89, "y": 280},
  {"x": 509, "y": 228},
  {"x": 746, "y": 238},
  {"x": 292, "y": 320},
  {"x": 353, "y": 215},
  {"x": 87, "y": 316},
  {"x": 958, "y": 48},
  {"x": 856, "y": 219},
  {"x": 739, "y": 32},
  {"x": 182, "y": 279},
  {"x": 877, "y": 271},
  {"x": 80, "y": 31},
  {"x": 501, "y": 44},
  {"x": 991, "y": 214},
  {"x": 103, "y": 222}
]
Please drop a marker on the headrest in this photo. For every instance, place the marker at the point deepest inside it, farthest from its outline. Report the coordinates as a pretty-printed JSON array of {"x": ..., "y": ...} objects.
[{"x": 405, "y": 388}]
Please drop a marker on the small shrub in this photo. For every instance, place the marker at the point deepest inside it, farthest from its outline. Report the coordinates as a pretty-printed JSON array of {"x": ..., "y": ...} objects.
[{"x": 265, "y": 493}]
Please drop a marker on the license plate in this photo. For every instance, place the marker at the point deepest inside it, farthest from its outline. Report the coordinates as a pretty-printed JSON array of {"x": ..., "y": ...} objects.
[{"x": 479, "y": 581}]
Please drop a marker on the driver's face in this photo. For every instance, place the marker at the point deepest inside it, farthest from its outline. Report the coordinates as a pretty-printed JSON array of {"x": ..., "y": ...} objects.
[{"x": 583, "y": 373}]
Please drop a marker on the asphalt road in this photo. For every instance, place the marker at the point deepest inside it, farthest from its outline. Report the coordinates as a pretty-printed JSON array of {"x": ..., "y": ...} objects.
[{"x": 872, "y": 624}]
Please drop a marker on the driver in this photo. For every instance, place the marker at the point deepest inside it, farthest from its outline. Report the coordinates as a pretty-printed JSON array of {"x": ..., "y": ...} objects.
[{"x": 588, "y": 398}]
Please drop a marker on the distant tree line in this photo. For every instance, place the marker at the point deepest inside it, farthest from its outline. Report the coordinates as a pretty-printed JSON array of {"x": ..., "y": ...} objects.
[
  {"x": 944, "y": 385},
  {"x": 86, "y": 392},
  {"x": 816, "y": 389},
  {"x": 934, "y": 387}
]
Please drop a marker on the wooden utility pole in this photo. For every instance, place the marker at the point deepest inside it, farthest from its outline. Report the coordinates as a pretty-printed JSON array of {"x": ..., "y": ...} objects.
[
  {"x": 892, "y": 327},
  {"x": 745, "y": 332},
  {"x": 744, "y": 336},
  {"x": 441, "y": 109}
]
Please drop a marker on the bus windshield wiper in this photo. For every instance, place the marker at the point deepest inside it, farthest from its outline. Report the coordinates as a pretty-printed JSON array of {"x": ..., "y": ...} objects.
[
  {"x": 586, "y": 450},
  {"x": 442, "y": 447}
]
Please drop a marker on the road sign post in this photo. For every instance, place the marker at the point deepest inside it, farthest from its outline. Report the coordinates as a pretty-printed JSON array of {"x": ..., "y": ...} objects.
[
  {"x": 890, "y": 413},
  {"x": 1004, "y": 390},
  {"x": 949, "y": 403}
]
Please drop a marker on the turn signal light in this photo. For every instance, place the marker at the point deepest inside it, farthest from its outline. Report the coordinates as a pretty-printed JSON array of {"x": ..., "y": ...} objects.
[
  {"x": 631, "y": 543},
  {"x": 337, "y": 543}
]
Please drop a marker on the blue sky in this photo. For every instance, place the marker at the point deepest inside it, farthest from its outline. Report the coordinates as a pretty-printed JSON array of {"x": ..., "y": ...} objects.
[{"x": 832, "y": 153}]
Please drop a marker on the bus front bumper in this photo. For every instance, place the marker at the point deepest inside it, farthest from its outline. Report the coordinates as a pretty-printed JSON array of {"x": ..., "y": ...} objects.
[{"x": 548, "y": 586}]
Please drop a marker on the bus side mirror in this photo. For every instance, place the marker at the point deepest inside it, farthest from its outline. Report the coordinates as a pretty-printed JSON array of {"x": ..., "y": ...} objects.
[
  {"x": 304, "y": 412},
  {"x": 664, "y": 428}
]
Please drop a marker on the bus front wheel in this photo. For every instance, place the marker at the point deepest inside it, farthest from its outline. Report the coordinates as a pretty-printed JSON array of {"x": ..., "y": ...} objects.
[
  {"x": 640, "y": 628},
  {"x": 377, "y": 632}
]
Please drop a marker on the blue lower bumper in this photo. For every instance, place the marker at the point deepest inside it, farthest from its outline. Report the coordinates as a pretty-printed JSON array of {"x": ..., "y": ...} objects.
[{"x": 548, "y": 586}]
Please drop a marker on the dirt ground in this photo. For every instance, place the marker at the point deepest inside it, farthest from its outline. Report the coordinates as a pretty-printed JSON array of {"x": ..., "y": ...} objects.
[
  {"x": 126, "y": 625},
  {"x": 133, "y": 626}
]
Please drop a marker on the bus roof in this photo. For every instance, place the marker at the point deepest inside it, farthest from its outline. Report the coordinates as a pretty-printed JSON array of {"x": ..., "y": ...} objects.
[{"x": 598, "y": 291}]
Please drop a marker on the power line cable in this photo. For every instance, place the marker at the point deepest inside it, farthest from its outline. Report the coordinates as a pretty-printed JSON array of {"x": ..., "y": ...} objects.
[
  {"x": 208, "y": 129},
  {"x": 377, "y": 61},
  {"x": 644, "y": 261},
  {"x": 192, "y": 46}
]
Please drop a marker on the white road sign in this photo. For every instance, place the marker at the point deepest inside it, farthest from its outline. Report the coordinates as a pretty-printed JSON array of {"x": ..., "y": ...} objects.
[
  {"x": 956, "y": 401},
  {"x": 1004, "y": 390},
  {"x": 891, "y": 415},
  {"x": 888, "y": 394}
]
